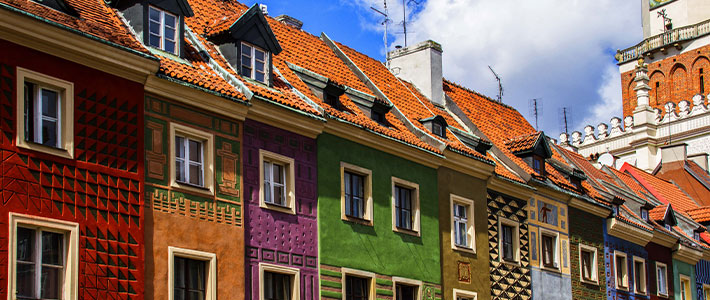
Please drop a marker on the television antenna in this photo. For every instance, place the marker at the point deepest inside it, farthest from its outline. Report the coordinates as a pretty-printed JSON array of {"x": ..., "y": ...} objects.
[
  {"x": 404, "y": 17},
  {"x": 565, "y": 119},
  {"x": 385, "y": 23},
  {"x": 500, "y": 85},
  {"x": 536, "y": 110}
]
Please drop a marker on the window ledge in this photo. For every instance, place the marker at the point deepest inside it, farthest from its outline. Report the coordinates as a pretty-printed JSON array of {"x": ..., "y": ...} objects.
[
  {"x": 512, "y": 263},
  {"x": 357, "y": 220},
  {"x": 45, "y": 149},
  {"x": 406, "y": 231},
  {"x": 592, "y": 282},
  {"x": 551, "y": 269},
  {"x": 278, "y": 207},
  {"x": 464, "y": 249},
  {"x": 662, "y": 296},
  {"x": 192, "y": 188}
]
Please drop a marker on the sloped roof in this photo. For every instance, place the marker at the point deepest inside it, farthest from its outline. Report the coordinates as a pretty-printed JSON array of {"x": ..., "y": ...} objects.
[
  {"x": 664, "y": 191},
  {"x": 700, "y": 215},
  {"x": 523, "y": 143},
  {"x": 658, "y": 213},
  {"x": 690, "y": 177},
  {"x": 95, "y": 19}
]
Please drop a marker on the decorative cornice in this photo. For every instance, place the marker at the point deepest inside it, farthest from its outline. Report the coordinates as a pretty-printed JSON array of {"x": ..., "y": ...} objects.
[
  {"x": 75, "y": 46},
  {"x": 467, "y": 165},
  {"x": 233, "y": 109},
  {"x": 288, "y": 119},
  {"x": 664, "y": 239},
  {"x": 513, "y": 189},
  {"x": 589, "y": 207},
  {"x": 686, "y": 254},
  {"x": 628, "y": 232}
]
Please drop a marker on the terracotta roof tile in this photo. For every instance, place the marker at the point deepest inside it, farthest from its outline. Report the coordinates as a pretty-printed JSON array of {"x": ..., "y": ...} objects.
[
  {"x": 664, "y": 191},
  {"x": 95, "y": 18},
  {"x": 523, "y": 143},
  {"x": 628, "y": 216},
  {"x": 658, "y": 213},
  {"x": 700, "y": 215}
]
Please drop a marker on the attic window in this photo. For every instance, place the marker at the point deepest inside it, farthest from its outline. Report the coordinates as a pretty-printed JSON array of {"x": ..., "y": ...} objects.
[
  {"x": 668, "y": 226},
  {"x": 331, "y": 99},
  {"x": 644, "y": 214},
  {"x": 162, "y": 30},
  {"x": 615, "y": 209},
  {"x": 696, "y": 235},
  {"x": 437, "y": 129},
  {"x": 576, "y": 182},
  {"x": 538, "y": 164},
  {"x": 253, "y": 62}
]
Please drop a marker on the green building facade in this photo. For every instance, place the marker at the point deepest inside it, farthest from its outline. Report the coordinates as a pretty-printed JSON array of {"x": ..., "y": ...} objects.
[{"x": 370, "y": 254}]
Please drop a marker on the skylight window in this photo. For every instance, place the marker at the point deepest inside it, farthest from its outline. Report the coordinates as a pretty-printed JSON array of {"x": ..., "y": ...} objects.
[{"x": 162, "y": 30}]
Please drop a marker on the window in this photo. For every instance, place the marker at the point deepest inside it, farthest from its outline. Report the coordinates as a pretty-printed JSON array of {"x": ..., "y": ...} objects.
[
  {"x": 685, "y": 291},
  {"x": 640, "y": 275},
  {"x": 378, "y": 117},
  {"x": 437, "y": 129},
  {"x": 277, "y": 182},
  {"x": 658, "y": 84},
  {"x": 192, "y": 275},
  {"x": 278, "y": 282},
  {"x": 462, "y": 226},
  {"x": 702, "y": 82},
  {"x": 189, "y": 161},
  {"x": 508, "y": 235},
  {"x": 356, "y": 191},
  {"x": 464, "y": 295},
  {"x": 406, "y": 289},
  {"x": 662, "y": 279},
  {"x": 359, "y": 285},
  {"x": 706, "y": 292},
  {"x": 588, "y": 263},
  {"x": 620, "y": 269},
  {"x": 47, "y": 104},
  {"x": 668, "y": 226},
  {"x": 405, "y": 204},
  {"x": 696, "y": 236},
  {"x": 538, "y": 164},
  {"x": 44, "y": 258},
  {"x": 253, "y": 62},
  {"x": 549, "y": 249},
  {"x": 192, "y": 155},
  {"x": 644, "y": 214},
  {"x": 162, "y": 30}
]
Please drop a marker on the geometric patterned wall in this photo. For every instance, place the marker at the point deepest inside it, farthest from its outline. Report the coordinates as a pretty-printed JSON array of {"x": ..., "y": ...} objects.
[
  {"x": 224, "y": 206},
  {"x": 586, "y": 229},
  {"x": 508, "y": 281},
  {"x": 100, "y": 190}
]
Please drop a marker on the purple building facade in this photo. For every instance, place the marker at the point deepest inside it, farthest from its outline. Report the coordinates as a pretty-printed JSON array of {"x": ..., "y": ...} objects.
[{"x": 281, "y": 232}]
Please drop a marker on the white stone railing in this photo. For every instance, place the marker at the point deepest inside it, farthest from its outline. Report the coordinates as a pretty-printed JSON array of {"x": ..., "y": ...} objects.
[
  {"x": 664, "y": 39},
  {"x": 674, "y": 120}
]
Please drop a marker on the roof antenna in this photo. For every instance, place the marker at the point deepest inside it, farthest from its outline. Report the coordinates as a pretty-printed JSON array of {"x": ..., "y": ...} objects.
[
  {"x": 500, "y": 85},
  {"x": 404, "y": 17},
  {"x": 564, "y": 119},
  {"x": 385, "y": 23},
  {"x": 536, "y": 110}
]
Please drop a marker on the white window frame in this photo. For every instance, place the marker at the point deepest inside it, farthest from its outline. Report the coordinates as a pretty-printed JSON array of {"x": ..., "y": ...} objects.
[
  {"x": 210, "y": 271},
  {"x": 414, "y": 187},
  {"x": 253, "y": 60},
  {"x": 162, "y": 36},
  {"x": 625, "y": 285},
  {"x": 470, "y": 225},
  {"x": 594, "y": 272},
  {"x": 644, "y": 279},
  {"x": 65, "y": 124},
  {"x": 207, "y": 158},
  {"x": 288, "y": 166},
  {"x": 555, "y": 251},
  {"x": 706, "y": 291},
  {"x": 689, "y": 291},
  {"x": 665, "y": 268},
  {"x": 463, "y": 293},
  {"x": 367, "y": 197},
  {"x": 294, "y": 272},
  {"x": 516, "y": 240},
  {"x": 362, "y": 274},
  {"x": 70, "y": 289},
  {"x": 406, "y": 281}
]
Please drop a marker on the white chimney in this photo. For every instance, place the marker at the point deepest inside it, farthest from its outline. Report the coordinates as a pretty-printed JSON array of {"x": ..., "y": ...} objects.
[
  {"x": 421, "y": 65},
  {"x": 264, "y": 9},
  {"x": 673, "y": 153},
  {"x": 701, "y": 159}
]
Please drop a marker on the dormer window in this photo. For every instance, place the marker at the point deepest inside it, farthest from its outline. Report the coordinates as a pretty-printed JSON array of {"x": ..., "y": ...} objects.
[
  {"x": 644, "y": 214},
  {"x": 696, "y": 235},
  {"x": 162, "y": 30},
  {"x": 254, "y": 63},
  {"x": 437, "y": 129},
  {"x": 538, "y": 164},
  {"x": 668, "y": 226},
  {"x": 615, "y": 209},
  {"x": 436, "y": 124}
]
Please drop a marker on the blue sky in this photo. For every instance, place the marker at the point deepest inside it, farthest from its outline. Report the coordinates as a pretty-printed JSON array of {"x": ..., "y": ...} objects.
[{"x": 558, "y": 51}]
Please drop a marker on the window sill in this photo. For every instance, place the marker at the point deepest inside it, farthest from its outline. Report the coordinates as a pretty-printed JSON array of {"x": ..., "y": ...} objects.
[
  {"x": 662, "y": 296},
  {"x": 406, "y": 231},
  {"x": 591, "y": 282},
  {"x": 61, "y": 152},
  {"x": 511, "y": 262},
  {"x": 621, "y": 288},
  {"x": 193, "y": 188},
  {"x": 642, "y": 294},
  {"x": 357, "y": 220},
  {"x": 551, "y": 269},
  {"x": 463, "y": 249},
  {"x": 278, "y": 207}
]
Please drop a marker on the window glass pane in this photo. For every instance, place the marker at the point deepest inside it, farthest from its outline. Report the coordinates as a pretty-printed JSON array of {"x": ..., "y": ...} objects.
[
  {"x": 246, "y": 63},
  {"x": 52, "y": 248},
  {"x": 406, "y": 292},
  {"x": 25, "y": 244},
  {"x": 259, "y": 55},
  {"x": 196, "y": 174},
  {"x": 49, "y": 103},
  {"x": 195, "y": 151},
  {"x": 169, "y": 33},
  {"x": 169, "y": 21},
  {"x": 278, "y": 174},
  {"x": 169, "y": 46},
  {"x": 620, "y": 271},
  {"x": 279, "y": 195},
  {"x": 29, "y": 112},
  {"x": 259, "y": 66},
  {"x": 51, "y": 282},
  {"x": 586, "y": 265},
  {"x": 154, "y": 14},
  {"x": 180, "y": 170},
  {"x": 179, "y": 147},
  {"x": 25, "y": 282},
  {"x": 259, "y": 76},
  {"x": 246, "y": 50},
  {"x": 49, "y": 133},
  {"x": 179, "y": 273},
  {"x": 154, "y": 41}
]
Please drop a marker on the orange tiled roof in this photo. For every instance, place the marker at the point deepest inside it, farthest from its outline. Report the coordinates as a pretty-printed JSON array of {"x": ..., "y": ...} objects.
[
  {"x": 700, "y": 215},
  {"x": 664, "y": 191},
  {"x": 628, "y": 216},
  {"x": 658, "y": 213},
  {"x": 523, "y": 143},
  {"x": 631, "y": 183},
  {"x": 95, "y": 19}
]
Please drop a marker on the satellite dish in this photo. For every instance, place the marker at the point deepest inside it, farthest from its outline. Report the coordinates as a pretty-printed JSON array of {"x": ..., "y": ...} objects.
[{"x": 606, "y": 159}]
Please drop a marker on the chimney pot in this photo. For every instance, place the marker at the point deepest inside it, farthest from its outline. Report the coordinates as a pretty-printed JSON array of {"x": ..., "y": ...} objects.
[{"x": 264, "y": 9}]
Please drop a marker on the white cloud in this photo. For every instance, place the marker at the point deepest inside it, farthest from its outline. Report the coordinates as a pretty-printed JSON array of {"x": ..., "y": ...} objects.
[{"x": 559, "y": 51}]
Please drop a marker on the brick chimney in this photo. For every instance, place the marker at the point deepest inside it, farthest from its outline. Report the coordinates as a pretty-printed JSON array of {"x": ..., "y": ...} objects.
[{"x": 421, "y": 65}]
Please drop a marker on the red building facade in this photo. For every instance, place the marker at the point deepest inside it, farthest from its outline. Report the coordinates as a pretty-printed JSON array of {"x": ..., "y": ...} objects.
[{"x": 81, "y": 195}]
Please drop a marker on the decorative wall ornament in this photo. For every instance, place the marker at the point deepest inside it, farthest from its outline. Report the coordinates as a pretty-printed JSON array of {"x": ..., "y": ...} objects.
[{"x": 464, "y": 270}]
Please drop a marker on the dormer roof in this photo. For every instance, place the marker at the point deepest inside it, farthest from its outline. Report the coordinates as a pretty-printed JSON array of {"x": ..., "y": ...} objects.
[
  {"x": 181, "y": 7},
  {"x": 533, "y": 143},
  {"x": 253, "y": 27}
]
